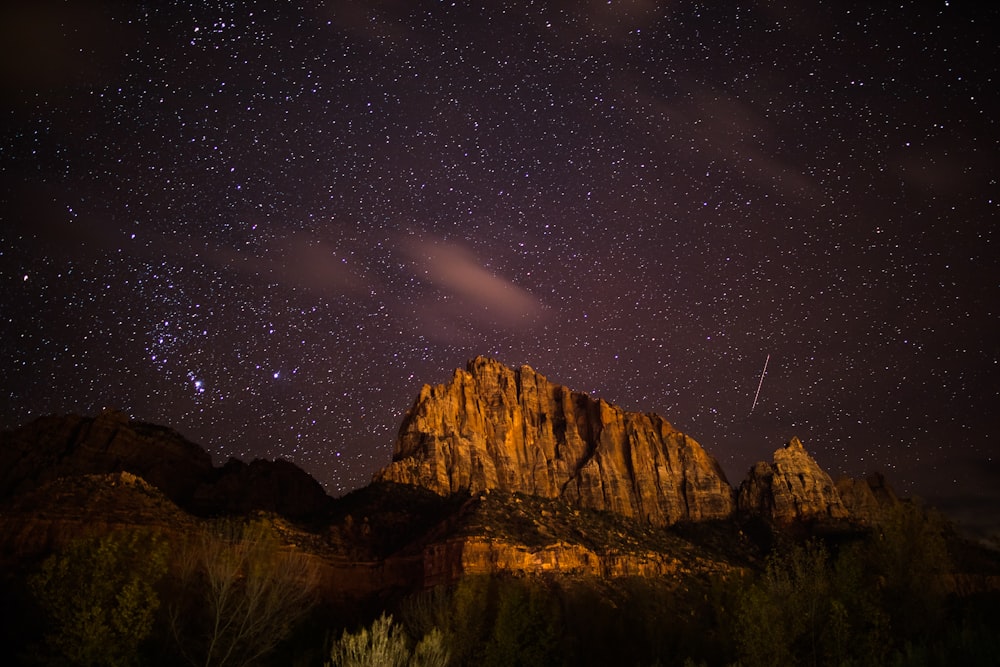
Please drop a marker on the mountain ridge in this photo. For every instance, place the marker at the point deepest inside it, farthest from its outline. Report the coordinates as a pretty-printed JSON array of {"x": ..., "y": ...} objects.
[
  {"x": 51, "y": 447},
  {"x": 497, "y": 470},
  {"x": 492, "y": 427}
]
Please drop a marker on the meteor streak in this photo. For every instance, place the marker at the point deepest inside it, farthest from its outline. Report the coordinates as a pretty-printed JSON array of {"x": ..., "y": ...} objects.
[{"x": 759, "y": 385}]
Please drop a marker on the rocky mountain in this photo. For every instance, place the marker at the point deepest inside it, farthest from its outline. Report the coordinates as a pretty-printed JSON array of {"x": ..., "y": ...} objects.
[
  {"x": 59, "y": 511},
  {"x": 867, "y": 500},
  {"x": 496, "y": 428},
  {"x": 50, "y": 448},
  {"x": 496, "y": 470},
  {"x": 793, "y": 487},
  {"x": 612, "y": 523}
]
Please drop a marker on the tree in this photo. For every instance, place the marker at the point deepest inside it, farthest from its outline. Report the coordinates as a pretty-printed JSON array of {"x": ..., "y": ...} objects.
[
  {"x": 239, "y": 593},
  {"x": 526, "y": 628},
  {"x": 100, "y": 596},
  {"x": 911, "y": 558},
  {"x": 460, "y": 613},
  {"x": 809, "y": 609},
  {"x": 781, "y": 617}
]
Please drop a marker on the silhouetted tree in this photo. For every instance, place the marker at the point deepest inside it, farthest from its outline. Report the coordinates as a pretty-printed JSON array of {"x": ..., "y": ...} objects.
[{"x": 239, "y": 593}]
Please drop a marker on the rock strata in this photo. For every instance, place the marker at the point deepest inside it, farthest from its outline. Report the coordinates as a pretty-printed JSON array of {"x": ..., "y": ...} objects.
[
  {"x": 493, "y": 427},
  {"x": 446, "y": 562},
  {"x": 791, "y": 488}
]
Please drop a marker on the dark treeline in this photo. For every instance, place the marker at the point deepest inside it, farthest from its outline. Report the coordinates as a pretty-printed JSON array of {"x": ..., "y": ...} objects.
[{"x": 230, "y": 595}]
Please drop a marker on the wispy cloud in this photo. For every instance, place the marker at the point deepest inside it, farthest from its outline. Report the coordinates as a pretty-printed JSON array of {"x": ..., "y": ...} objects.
[{"x": 467, "y": 294}]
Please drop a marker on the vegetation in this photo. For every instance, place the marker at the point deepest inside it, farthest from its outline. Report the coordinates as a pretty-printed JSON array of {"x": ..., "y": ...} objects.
[
  {"x": 238, "y": 594},
  {"x": 385, "y": 644},
  {"x": 880, "y": 601},
  {"x": 234, "y": 592},
  {"x": 99, "y": 596}
]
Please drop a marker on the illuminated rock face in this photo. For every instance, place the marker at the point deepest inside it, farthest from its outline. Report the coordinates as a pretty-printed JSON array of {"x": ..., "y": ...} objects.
[
  {"x": 493, "y": 427},
  {"x": 792, "y": 488},
  {"x": 446, "y": 562}
]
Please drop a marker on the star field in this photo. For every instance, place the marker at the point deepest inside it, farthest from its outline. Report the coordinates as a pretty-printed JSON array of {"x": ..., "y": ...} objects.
[{"x": 267, "y": 226}]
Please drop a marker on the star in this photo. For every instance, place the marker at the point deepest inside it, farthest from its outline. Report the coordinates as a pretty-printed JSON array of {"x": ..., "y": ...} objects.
[{"x": 204, "y": 204}]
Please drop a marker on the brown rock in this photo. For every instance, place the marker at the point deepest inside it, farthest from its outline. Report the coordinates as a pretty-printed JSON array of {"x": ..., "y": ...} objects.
[
  {"x": 69, "y": 508},
  {"x": 51, "y": 448},
  {"x": 867, "y": 500},
  {"x": 445, "y": 562},
  {"x": 270, "y": 486},
  {"x": 792, "y": 488},
  {"x": 493, "y": 427}
]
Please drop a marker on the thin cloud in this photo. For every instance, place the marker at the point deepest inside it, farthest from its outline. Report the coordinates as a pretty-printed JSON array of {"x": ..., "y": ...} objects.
[{"x": 466, "y": 292}]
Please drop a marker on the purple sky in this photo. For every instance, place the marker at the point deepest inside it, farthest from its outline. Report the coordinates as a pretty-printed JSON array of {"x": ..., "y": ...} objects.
[{"x": 266, "y": 227}]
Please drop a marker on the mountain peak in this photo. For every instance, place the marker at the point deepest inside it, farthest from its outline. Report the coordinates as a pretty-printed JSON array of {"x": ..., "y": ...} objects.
[
  {"x": 791, "y": 488},
  {"x": 494, "y": 427},
  {"x": 795, "y": 444}
]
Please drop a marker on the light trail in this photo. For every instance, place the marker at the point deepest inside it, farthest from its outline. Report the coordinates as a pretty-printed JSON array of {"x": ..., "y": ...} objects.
[{"x": 759, "y": 385}]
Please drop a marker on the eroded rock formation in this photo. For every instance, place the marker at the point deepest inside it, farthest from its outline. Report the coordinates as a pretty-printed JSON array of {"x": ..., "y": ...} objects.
[
  {"x": 493, "y": 427},
  {"x": 53, "y": 447},
  {"x": 791, "y": 488},
  {"x": 445, "y": 562}
]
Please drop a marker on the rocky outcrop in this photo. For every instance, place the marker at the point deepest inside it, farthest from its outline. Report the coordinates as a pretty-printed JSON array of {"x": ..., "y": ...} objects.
[
  {"x": 867, "y": 500},
  {"x": 51, "y": 448},
  {"x": 493, "y": 427},
  {"x": 529, "y": 535},
  {"x": 70, "y": 508},
  {"x": 791, "y": 488},
  {"x": 446, "y": 562},
  {"x": 269, "y": 486}
]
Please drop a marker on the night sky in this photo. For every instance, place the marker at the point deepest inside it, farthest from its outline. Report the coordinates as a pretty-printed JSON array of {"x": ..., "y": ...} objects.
[{"x": 267, "y": 225}]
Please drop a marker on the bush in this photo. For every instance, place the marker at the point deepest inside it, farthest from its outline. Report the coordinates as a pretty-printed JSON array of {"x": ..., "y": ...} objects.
[{"x": 385, "y": 644}]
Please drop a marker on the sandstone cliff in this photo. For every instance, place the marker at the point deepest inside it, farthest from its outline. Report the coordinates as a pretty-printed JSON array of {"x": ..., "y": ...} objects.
[
  {"x": 492, "y": 427},
  {"x": 791, "y": 488},
  {"x": 499, "y": 532}
]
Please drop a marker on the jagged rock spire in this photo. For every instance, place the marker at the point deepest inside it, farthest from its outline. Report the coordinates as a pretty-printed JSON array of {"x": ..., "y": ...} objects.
[{"x": 791, "y": 488}]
